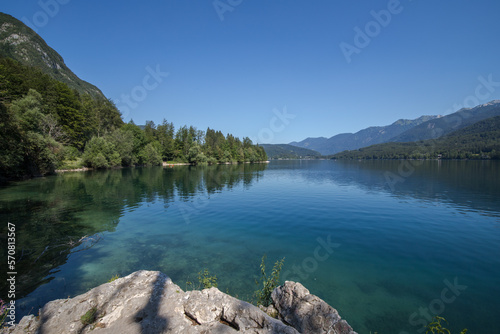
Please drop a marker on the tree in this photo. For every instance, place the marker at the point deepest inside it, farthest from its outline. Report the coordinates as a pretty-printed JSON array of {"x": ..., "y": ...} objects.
[
  {"x": 100, "y": 153},
  {"x": 149, "y": 155}
]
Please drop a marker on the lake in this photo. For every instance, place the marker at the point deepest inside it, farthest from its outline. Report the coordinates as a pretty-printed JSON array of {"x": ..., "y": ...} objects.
[{"x": 388, "y": 243}]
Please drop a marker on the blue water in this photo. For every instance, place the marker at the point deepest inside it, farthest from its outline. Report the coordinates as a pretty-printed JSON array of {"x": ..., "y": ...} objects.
[{"x": 389, "y": 244}]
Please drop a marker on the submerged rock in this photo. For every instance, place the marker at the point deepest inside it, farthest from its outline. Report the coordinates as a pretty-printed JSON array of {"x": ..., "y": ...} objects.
[{"x": 149, "y": 302}]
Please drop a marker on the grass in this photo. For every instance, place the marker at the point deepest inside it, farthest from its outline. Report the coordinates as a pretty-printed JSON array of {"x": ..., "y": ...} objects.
[
  {"x": 72, "y": 164},
  {"x": 114, "y": 278},
  {"x": 89, "y": 316}
]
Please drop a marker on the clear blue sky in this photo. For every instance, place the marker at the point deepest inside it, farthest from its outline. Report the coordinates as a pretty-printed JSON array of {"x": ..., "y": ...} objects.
[{"x": 266, "y": 55}]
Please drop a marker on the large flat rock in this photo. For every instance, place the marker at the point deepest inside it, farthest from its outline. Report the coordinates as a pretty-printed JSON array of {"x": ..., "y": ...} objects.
[{"x": 149, "y": 302}]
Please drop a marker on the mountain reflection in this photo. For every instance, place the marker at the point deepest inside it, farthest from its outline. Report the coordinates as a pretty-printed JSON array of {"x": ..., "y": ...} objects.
[{"x": 470, "y": 185}]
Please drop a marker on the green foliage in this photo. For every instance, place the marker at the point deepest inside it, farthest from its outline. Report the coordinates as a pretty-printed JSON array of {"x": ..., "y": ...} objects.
[
  {"x": 284, "y": 151},
  {"x": 89, "y": 317},
  {"x": 114, "y": 278},
  {"x": 45, "y": 124},
  {"x": 100, "y": 153},
  {"x": 149, "y": 156},
  {"x": 206, "y": 280},
  {"x": 27, "y": 50},
  {"x": 435, "y": 327},
  {"x": 269, "y": 283}
]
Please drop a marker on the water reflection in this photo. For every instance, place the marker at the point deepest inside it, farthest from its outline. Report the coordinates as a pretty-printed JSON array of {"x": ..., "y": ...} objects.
[
  {"x": 471, "y": 185},
  {"x": 57, "y": 216}
]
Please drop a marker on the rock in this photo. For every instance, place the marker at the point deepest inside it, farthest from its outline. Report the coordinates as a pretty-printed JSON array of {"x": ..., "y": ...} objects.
[
  {"x": 307, "y": 313},
  {"x": 149, "y": 302}
]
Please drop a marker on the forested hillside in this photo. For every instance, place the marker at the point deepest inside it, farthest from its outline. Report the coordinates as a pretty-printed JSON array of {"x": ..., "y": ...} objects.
[
  {"x": 478, "y": 141},
  {"x": 21, "y": 43},
  {"x": 285, "y": 151},
  {"x": 366, "y": 137},
  {"x": 45, "y": 125}
]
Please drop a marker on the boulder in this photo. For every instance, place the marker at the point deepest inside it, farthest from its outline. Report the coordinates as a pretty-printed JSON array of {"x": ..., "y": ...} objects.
[
  {"x": 307, "y": 313},
  {"x": 149, "y": 302}
]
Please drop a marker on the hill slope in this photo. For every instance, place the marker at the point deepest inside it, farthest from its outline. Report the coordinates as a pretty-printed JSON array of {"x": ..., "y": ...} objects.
[
  {"x": 284, "y": 151},
  {"x": 19, "y": 42},
  {"x": 366, "y": 137},
  {"x": 460, "y": 119},
  {"x": 480, "y": 140}
]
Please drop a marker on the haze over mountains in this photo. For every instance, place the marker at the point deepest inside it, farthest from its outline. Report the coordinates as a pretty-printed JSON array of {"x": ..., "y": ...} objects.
[{"x": 422, "y": 128}]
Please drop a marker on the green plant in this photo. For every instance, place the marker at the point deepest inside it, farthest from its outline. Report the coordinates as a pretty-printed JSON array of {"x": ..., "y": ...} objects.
[
  {"x": 269, "y": 283},
  {"x": 206, "y": 280},
  {"x": 435, "y": 327},
  {"x": 89, "y": 316},
  {"x": 114, "y": 278}
]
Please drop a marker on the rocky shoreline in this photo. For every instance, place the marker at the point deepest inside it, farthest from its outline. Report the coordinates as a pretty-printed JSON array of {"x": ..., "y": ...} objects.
[{"x": 149, "y": 302}]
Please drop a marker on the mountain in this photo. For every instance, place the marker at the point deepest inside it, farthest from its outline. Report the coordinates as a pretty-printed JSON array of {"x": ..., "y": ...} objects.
[
  {"x": 21, "y": 43},
  {"x": 284, "y": 151},
  {"x": 366, "y": 137},
  {"x": 480, "y": 140},
  {"x": 462, "y": 118}
]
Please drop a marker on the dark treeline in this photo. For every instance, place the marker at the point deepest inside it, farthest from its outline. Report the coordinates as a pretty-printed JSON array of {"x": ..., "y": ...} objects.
[
  {"x": 478, "y": 141},
  {"x": 45, "y": 125}
]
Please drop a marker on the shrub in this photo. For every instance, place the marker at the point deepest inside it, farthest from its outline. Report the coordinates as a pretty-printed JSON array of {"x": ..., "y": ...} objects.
[{"x": 149, "y": 156}]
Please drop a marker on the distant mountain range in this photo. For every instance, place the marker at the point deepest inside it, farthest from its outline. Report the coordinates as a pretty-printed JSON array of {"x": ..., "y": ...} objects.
[
  {"x": 366, "y": 137},
  {"x": 21, "y": 43},
  {"x": 422, "y": 128},
  {"x": 458, "y": 120},
  {"x": 480, "y": 140},
  {"x": 284, "y": 151}
]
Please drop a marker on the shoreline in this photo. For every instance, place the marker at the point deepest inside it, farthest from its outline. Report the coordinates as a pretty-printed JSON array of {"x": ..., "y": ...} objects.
[{"x": 164, "y": 164}]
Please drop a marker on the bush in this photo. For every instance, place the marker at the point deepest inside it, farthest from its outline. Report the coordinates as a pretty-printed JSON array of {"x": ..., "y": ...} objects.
[
  {"x": 149, "y": 156},
  {"x": 100, "y": 153}
]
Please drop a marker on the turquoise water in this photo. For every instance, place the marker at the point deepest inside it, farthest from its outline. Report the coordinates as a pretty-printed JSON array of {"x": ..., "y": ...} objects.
[{"x": 389, "y": 244}]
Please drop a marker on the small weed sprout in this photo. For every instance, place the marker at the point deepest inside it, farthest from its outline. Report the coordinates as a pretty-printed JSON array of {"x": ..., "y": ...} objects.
[{"x": 114, "y": 278}]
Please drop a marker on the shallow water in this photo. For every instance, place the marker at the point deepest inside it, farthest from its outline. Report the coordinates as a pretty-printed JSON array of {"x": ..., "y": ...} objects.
[{"x": 387, "y": 243}]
